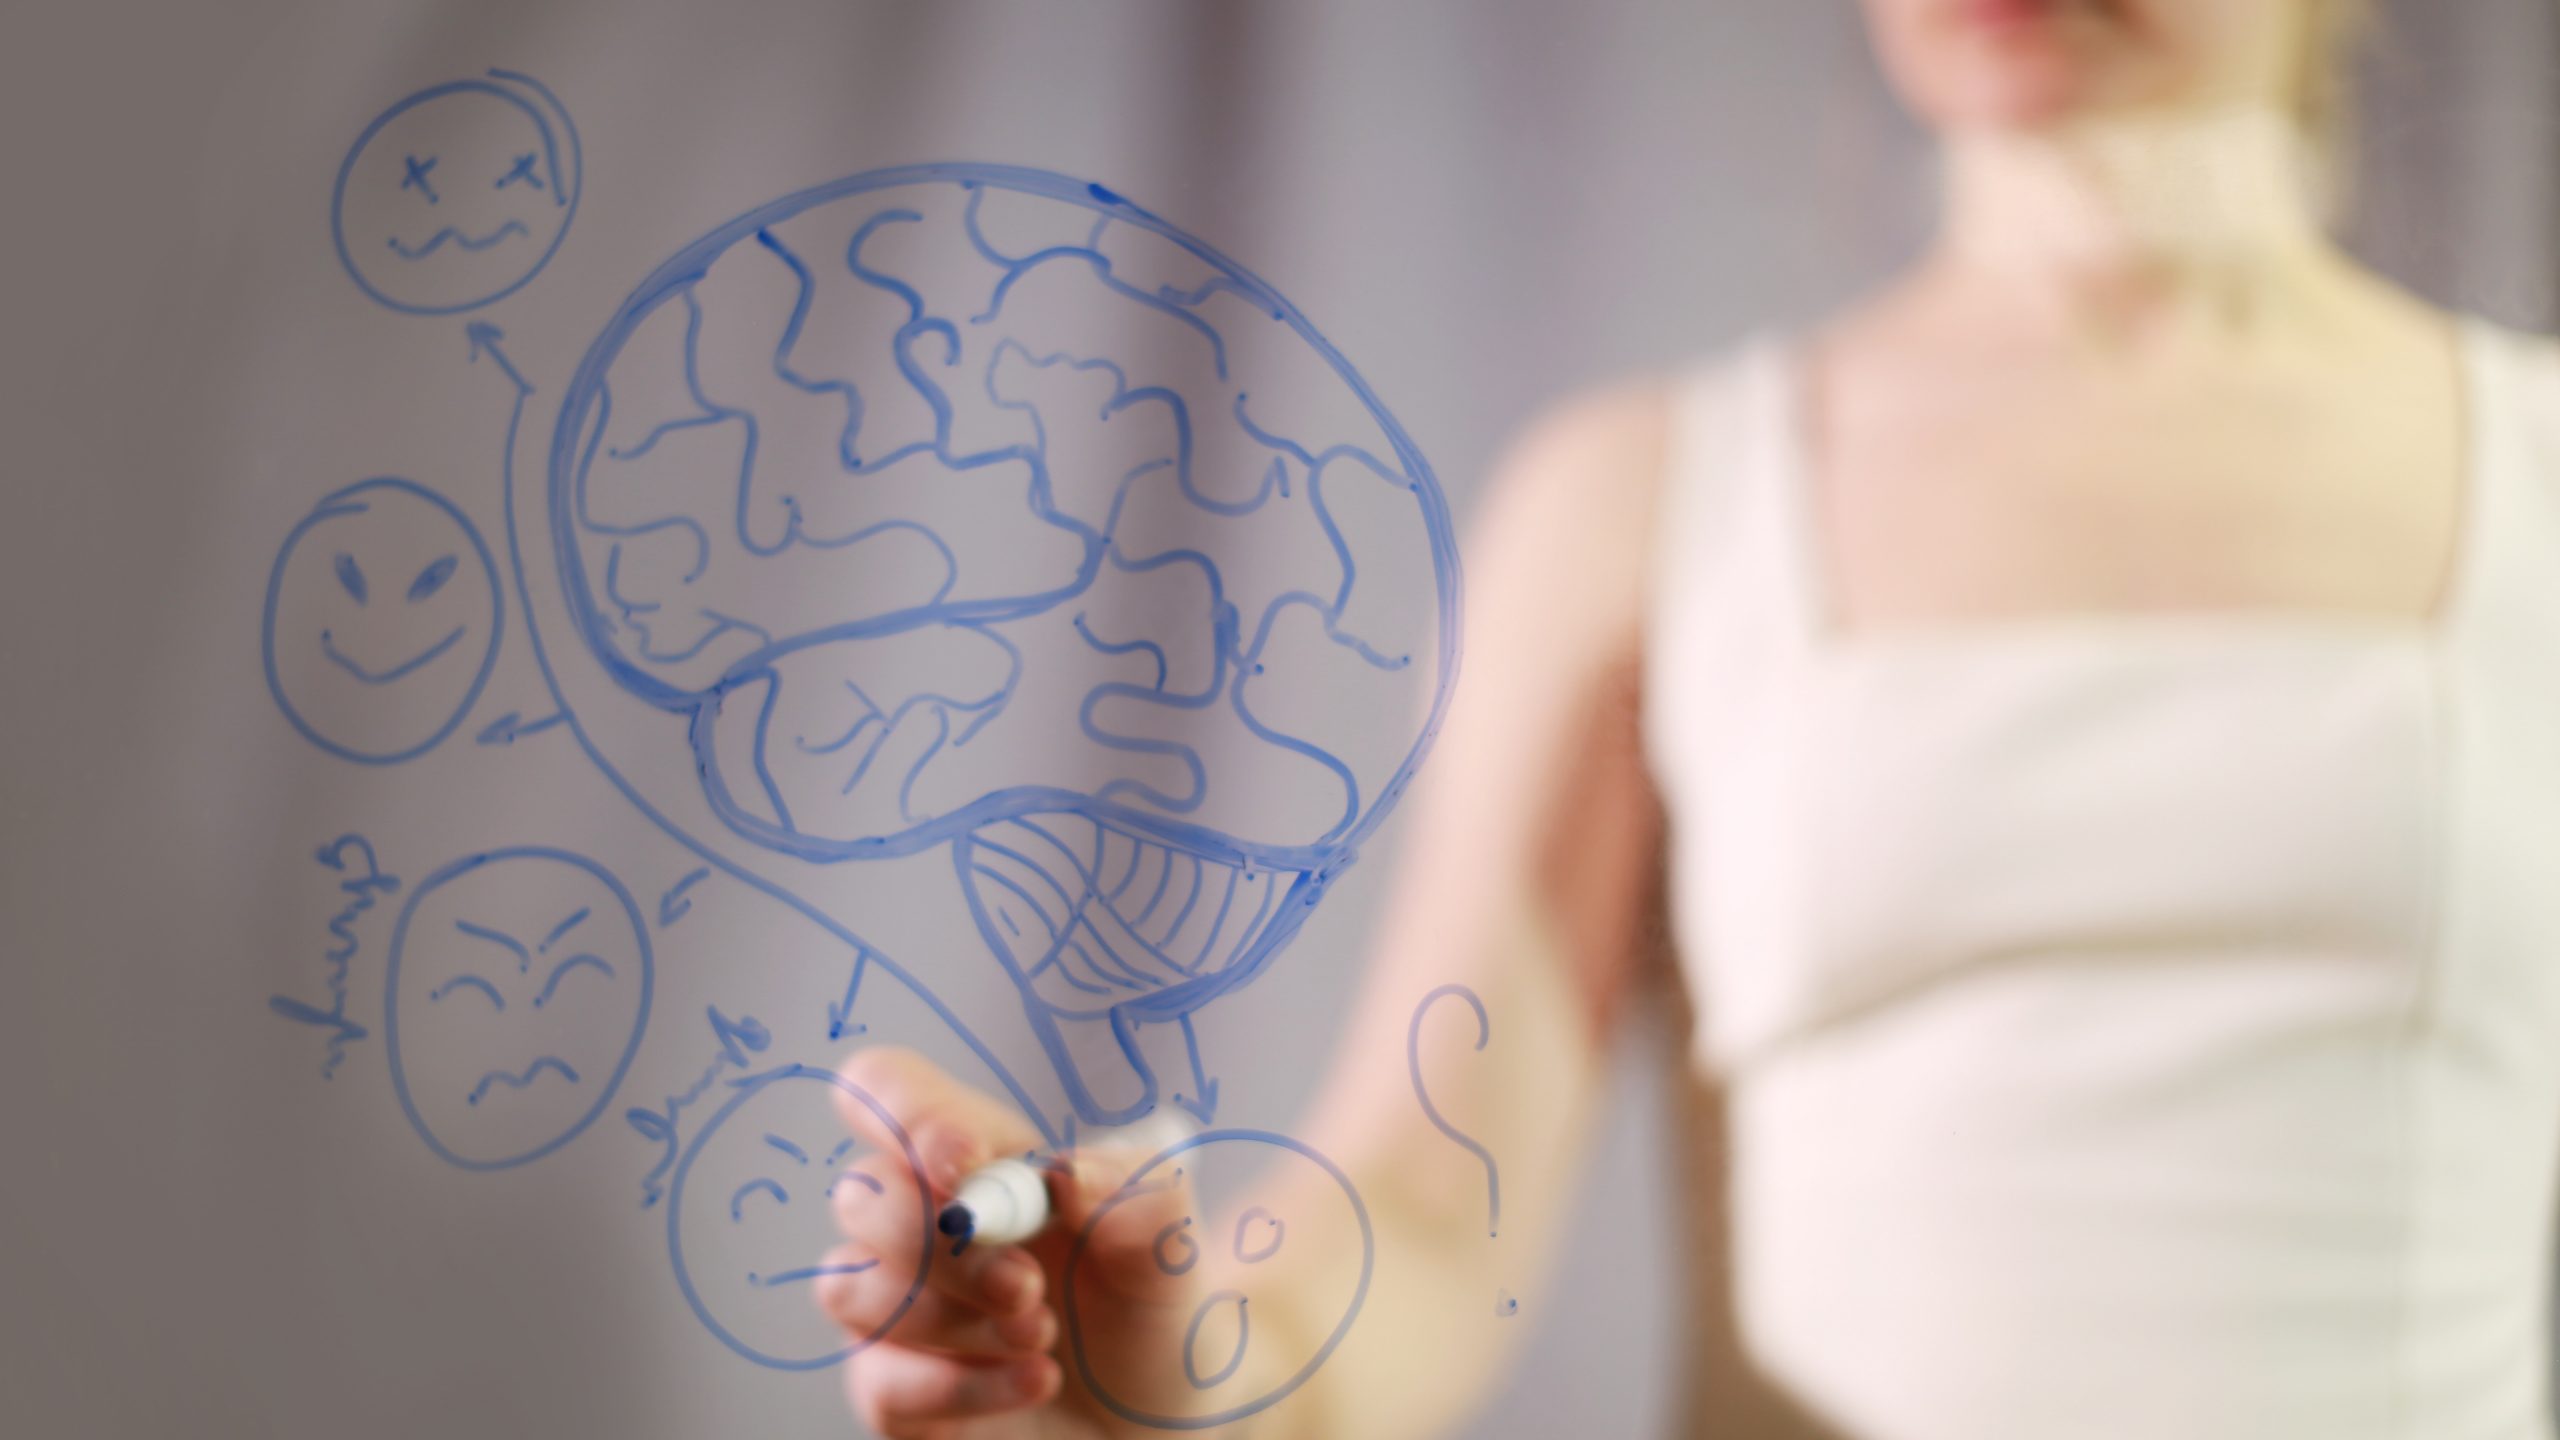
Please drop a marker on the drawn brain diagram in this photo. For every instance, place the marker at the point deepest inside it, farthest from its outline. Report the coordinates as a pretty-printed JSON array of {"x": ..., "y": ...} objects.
[{"x": 974, "y": 511}]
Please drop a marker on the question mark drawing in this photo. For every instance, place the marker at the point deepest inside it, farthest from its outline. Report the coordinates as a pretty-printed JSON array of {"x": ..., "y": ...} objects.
[{"x": 1504, "y": 1304}]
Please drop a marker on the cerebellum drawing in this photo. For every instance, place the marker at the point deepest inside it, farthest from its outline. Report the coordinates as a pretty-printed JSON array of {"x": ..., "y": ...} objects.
[{"x": 975, "y": 511}]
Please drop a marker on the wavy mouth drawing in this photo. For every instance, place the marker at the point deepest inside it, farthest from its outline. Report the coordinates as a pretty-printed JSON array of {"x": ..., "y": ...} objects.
[
  {"x": 438, "y": 240},
  {"x": 424, "y": 657},
  {"x": 807, "y": 1273},
  {"x": 523, "y": 1078}
]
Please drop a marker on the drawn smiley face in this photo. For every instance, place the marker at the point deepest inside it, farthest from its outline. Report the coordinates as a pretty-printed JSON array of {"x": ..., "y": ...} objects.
[
  {"x": 515, "y": 994},
  {"x": 382, "y": 621},
  {"x": 458, "y": 194},
  {"x": 1253, "y": 1245},
  {"x": 751, "y": 1208}
]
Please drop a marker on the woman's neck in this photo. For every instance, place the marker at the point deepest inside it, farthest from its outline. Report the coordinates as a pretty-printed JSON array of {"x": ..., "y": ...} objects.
[{"x": 2118, "y": 220}]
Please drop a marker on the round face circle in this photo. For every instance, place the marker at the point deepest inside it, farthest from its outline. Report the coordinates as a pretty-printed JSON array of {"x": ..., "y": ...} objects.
[
  {"x": 382, "y": 621},
  {"x": 751, "y": 1208},
  {"x": 516, "y": 992},
  {"x": 457, "y": 195},
  {"x": 1198, "y": 1376}
]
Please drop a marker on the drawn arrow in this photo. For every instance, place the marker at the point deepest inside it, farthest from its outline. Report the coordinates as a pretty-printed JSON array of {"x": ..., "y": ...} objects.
[
  {"x": 507, "y": 729},
  {"x": 673, "y": 906},
  {"x": 484, "y": 338},
  {"x": 1204, "y": 1109}
]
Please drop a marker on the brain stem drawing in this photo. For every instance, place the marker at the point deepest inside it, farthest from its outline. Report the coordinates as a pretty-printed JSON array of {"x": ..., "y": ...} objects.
[{"x": 975, "y": 511}]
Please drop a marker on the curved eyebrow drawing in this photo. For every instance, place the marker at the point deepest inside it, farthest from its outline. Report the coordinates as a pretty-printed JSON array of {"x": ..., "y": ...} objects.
[
  {"x": 524, "y": 959},
  {"x": 867, "y": 1182},
  {"x": 787, "y": 1148},
  {"x": 484, "y": 987},
  {"x": 563, "y": 928},
  {"x": 738, "y": 1198},
  {"x": 564, "y": 967}
]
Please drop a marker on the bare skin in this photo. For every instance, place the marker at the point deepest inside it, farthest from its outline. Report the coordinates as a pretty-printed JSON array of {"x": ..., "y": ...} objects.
[{"x": 2092, "y": 398}]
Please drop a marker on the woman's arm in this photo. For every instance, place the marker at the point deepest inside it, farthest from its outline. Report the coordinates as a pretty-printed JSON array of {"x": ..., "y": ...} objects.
[{"x": 1524, "y": 876}]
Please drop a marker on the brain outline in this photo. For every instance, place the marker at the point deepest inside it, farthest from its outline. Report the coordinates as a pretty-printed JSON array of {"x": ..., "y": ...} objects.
[{"x": 1236, "y": 644}]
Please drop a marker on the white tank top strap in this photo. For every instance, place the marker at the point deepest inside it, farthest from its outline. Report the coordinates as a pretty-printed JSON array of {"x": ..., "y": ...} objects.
[{"x": 1728, "y": 598}]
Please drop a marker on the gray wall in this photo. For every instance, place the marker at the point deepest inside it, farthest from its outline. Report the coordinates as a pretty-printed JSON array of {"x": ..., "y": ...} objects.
[{"x": 1484, "y": 205}]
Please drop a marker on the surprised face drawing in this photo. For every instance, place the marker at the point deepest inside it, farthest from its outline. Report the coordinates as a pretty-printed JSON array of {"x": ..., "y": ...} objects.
[
  {"x": 457, "y": 195},
  {"x": 516, "y": 991},
  {"x": 382, "y": 621}
]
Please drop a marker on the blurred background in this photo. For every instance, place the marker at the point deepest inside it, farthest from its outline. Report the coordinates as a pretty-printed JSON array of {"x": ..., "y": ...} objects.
[{"x": 1484, "y": 205}]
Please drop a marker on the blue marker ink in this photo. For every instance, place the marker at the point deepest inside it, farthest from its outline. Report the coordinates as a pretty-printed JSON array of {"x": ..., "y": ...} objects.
[
  {"x": 675, "y": 904},
  {"x": 379, "y": 673},
  {"x": 1133, "y": 1386},
  {"x": 835, "y": 737},
  {"x": 350, "y": 856},
  {"x": 507, "y": 159},
  {"x": 1413, "y": 1058},
  {"x": 739, "y": 1039},
  {"x": 514, "y": 999},
  {"x": 757, "y": 1184},
  {"x": 840, "y": 1012}
]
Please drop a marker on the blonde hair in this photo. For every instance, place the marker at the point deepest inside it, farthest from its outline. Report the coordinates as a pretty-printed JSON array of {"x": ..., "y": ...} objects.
[{"x": 2333, "y": 33}]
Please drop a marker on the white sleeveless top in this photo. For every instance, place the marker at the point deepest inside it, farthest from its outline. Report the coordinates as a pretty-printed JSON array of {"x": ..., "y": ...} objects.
[{"x": 2139, "y": 1025}]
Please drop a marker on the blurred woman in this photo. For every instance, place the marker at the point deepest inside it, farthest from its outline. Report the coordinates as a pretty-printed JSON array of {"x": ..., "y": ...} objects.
[{"x": 2095, "y": 705}]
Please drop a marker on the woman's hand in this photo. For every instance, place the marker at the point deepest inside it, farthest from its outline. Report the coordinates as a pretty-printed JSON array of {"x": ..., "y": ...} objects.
[{"x": 980, "y": 1353}]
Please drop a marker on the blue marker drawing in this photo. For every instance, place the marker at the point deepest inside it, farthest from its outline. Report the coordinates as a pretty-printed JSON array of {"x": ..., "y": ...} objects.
[
  {"x": 352, "y": 857},
  {"x": 381, "y": 621},
  {"x": 1038, "y": 535},
  {"x": 457, "y": 195},
  {"x": 1139, "y": 1386},
  {"x": 1422, "y": 1093},
  {"x": 676, "y": 904},
  {"x": 750, "y": 1207},
  {"x": 515, "y": 996},
  {"x": 840, "y": 1012},
  {"x": 507, "y": 729},
  {"x": 739, "y": 1039}
]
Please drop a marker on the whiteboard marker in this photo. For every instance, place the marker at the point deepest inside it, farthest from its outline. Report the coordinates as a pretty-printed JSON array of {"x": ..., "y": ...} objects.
[{"x": 1006, "y": 1202}]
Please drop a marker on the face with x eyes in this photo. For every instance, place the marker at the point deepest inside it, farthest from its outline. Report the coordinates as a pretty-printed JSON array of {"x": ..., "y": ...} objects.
[
  {"x": 519, "y": 983},
  {"x": 752, "y": 1216},
  {"x": 382, "y": 621},
  {"x": 457, "y": 194}
]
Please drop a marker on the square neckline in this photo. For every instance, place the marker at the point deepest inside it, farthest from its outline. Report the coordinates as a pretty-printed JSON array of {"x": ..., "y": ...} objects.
[{"x": 1791, "y": 475}]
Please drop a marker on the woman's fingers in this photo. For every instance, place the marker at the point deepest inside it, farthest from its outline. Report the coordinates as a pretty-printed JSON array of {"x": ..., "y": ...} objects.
[
  {"x": 884, "y": 1217},
  {"x": 905, "y": 1394},
  {"x": 1136, "y": 1234},
  {"x": 953, "y": 1128},
  {"x": 869, "y": 1301}
]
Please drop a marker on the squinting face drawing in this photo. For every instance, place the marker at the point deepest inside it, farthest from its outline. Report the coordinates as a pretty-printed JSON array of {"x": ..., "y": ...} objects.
[
  {"x": 457, "y": 195},
  {"x": 517, "y": 989},
  {"x": 381, "y": 622},
  {"x": 751, "y": 1216}
]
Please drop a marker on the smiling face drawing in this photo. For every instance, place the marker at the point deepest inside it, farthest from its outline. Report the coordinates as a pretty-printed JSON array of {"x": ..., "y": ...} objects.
[
  {"x": 381, "y": 621},
  {"x": 458, "y": 194},
  {"x": 751, "y": 1214},
  {"x": 517, "y": 987}
]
